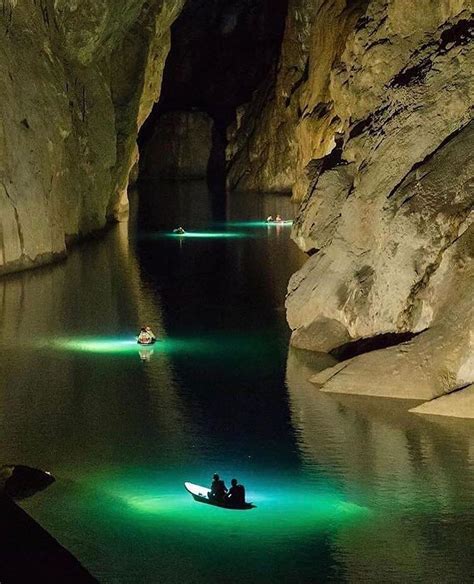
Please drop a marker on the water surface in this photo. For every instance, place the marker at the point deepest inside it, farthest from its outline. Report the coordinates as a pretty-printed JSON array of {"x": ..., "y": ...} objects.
[{"x": 346, "y": 490}]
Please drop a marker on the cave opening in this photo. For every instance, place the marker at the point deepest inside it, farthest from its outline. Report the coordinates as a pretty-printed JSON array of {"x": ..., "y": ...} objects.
[{"x": 221, "y": 50}]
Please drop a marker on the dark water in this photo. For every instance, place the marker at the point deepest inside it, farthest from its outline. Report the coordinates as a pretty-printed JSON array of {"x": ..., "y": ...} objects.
[{"x": 347, "y": 490}]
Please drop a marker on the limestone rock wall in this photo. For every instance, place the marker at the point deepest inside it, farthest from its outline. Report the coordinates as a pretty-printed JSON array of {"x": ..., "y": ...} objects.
[
  {"x": 375, "y": 131},
  {"x": 291, "y": 120},
  {"x": 180, "y": 147},
  {"x": 78, "y": 80}
]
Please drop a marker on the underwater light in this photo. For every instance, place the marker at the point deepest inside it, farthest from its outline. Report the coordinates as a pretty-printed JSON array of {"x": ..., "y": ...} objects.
[
  {"x": 206, "y": 235},
  {"x": 117, "y": 345}
]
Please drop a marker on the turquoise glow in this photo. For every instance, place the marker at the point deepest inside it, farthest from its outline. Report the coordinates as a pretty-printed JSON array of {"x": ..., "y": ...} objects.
[
  {"x": 206, "y": 235},
  {"x": 118, "y": 345},
  {"x": 127, "y": 345},
  {"x": 300, "y": 508}
]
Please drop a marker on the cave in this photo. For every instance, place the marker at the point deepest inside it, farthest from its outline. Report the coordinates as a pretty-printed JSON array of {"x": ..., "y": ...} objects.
[
  {"x": 236, "y": 239},
  {"x": 220, "y": 53}
]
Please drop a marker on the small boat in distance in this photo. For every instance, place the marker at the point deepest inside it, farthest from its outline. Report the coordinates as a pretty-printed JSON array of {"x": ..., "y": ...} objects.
[
  {"x": 278, "y": 220},
  {"x": 146, "y": 337},
  {"x": 200, "y": 494}
]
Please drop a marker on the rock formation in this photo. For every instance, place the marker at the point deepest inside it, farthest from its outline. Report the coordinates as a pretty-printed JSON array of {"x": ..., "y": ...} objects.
[
  {"x": 459, "y": 404},
  {"x": 79, "y": 79},
  {"x": 371, "y": 110},
  {"x": 19, "y": 481},
  {"x": 180, "y": 146}
]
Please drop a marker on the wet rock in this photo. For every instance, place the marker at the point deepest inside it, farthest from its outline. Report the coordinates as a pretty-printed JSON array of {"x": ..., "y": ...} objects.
[
  {"x": 19, "y": 481},
  {"x": 29, "y": 554},
  {"x": 180, "y": 147}
]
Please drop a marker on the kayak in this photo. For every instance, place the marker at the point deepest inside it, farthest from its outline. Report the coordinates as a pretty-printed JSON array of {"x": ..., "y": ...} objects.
[
  {"x": 286, "y": 222},
  {"x": 152, "y": 342},
  {"x": 200, "y": 494}
]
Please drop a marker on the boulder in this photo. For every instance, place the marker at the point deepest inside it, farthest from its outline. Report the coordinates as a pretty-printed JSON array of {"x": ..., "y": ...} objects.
[
  {"x": 459, "y": 404},
  {"x": 19, "y": 481}
]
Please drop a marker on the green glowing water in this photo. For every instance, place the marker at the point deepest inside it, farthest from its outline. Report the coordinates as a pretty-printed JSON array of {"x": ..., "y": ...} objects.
[
  {"x": 196, "y": 235},
  {"x": 345, "y": 490},
  {"x": 206, "y": 235}
]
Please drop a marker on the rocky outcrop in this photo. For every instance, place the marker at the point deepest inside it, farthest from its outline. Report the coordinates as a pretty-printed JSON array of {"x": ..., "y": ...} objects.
[
  {"x": 78, "y": 81},
  {"x": 180, "y": 146},
  {"x": 28, "y": 553},
  {"x": 389, "y": 219},
  {"x": 369, "y": 117},
  {"x": 19, "y": 481}
]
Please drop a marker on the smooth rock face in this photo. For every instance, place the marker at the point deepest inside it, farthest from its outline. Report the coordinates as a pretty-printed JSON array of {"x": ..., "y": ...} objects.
[
  {"x": 459, "y": 404},
  {"x": 180, "y": 147},
  {"x": 78, "y": 80}
]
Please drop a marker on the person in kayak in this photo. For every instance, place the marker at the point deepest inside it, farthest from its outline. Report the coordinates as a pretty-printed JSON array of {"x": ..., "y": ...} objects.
[
  {"x": 236, "y": 495},
  {"x": 269, "y": 219},
  {"x": 179, "y": 231},
  {"x": 146, "y": 336},
  {"x": 151, "y": 333},
  {"x": 278, "y": 219},
  {"x": 218, "y": 489}
]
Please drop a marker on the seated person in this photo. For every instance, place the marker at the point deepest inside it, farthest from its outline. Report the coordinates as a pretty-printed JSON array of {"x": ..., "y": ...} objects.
[
  {"x": 151, "y": 333},
  {"x": 236, "y": 495},
  {"x": 218, "y": 489},
  {"x": 179, "y": 231},
  {"x": 269, "y": 219},
  {"x": 146, "y": 337},
  {"x": 278, "y": 219}
]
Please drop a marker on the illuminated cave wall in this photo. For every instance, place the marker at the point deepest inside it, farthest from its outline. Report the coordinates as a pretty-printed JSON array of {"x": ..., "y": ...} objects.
[
  {"x": 368, "y": 123},
  {"x": 78, "y": 80}
]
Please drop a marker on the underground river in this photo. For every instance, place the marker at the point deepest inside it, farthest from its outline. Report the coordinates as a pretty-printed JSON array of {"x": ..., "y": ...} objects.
[{"x": 347, "y": 490}]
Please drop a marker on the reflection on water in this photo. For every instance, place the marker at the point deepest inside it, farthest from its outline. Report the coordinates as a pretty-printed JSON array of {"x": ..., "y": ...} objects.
[
  {"x": 346, "y": 490},
  {"x": 416, "y": 475}
]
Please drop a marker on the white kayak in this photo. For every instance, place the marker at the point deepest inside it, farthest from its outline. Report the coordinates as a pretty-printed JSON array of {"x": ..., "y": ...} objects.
[{"x": 201, "y": 495}]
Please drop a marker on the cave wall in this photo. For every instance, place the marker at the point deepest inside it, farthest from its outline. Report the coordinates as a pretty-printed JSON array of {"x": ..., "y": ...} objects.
[
  {"x": 79, "y": 79},
  {"x": 290, "y": 120},
  {"x": 220, "y": 51},
  {"x": 368, "y": 122},
  {"x": 180, "y": 147}
]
